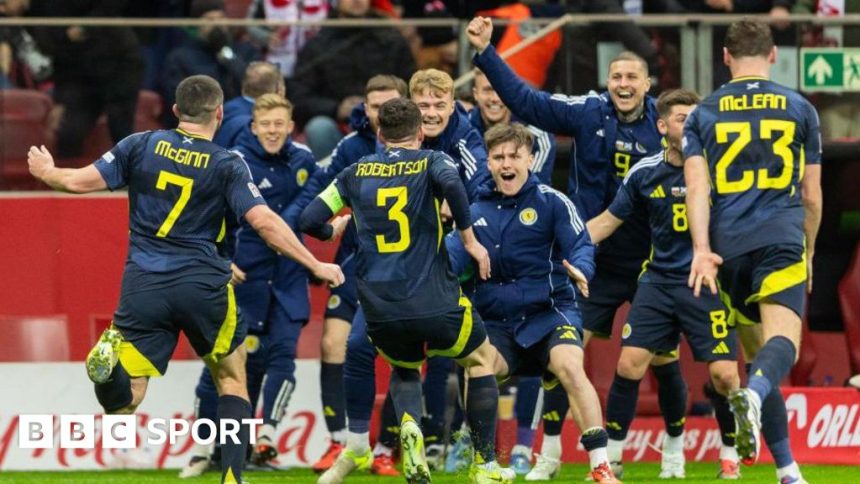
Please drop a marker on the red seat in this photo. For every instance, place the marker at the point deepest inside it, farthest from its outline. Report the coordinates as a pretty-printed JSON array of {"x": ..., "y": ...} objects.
[
  {"x": 150, "y": 107},
  {"x": 849, "y": 300},
  {"x": 34, "y": 338},
  {"x": 23, "y": 123}
]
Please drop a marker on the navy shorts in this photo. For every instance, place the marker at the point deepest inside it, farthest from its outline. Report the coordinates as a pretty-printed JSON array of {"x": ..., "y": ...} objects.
[
  {"x": 455, "y": 335},
  {"x": 608, "y": 291},
  {"x": 774, "y": 274},
  {"x": 661, "y": 312},
  {"x": 154, "y": 308},
  {"x": 343, "y": 300},
  {"x": 534, "y": 360}
]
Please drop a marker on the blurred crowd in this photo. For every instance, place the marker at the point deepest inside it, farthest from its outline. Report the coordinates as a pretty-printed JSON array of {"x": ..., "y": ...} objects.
[{"x": 90, "y": 71}]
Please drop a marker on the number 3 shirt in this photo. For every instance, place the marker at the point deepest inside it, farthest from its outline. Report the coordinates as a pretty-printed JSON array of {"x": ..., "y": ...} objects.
[
  {"x": 658, "y": 187},
  {"x": 757, "y": 137},
  {"x": 179, "y": 189},
  {"x": 401, "y": 263}
]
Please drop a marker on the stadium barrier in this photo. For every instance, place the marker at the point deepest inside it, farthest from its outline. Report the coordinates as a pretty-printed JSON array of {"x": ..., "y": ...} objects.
[{"x": 824, "y": 423}]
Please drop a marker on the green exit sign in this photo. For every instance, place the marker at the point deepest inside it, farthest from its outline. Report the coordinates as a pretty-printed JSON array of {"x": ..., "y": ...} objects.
[{"x": 830, "y": 69}]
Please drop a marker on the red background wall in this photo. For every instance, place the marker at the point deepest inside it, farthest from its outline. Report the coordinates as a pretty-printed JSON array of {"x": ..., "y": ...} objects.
[{"x": 64, "y": 255}]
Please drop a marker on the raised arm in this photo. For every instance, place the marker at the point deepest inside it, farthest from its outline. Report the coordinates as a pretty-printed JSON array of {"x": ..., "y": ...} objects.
[
  {"x": 474, "y": 155},
  {"x": 553, "y": 113}
]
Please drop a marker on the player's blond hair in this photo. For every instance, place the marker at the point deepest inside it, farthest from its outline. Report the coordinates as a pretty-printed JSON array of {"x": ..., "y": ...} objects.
[
  {"x": 270, "y": 101},
  {"x": 437, "y": 82}
]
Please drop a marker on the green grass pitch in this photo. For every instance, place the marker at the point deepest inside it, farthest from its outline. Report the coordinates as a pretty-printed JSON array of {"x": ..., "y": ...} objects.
[{"x": 638, "y": 472}]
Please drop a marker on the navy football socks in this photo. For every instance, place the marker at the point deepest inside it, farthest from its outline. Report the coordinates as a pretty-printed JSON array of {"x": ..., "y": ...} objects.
[
  {"x": 405, "y": 390},
  {"x": 672, "y": 396},
  {"x": 771, "y": 365},
  {"x": 621, "y": 406},
  {"x": 389, "y": 426},
  {"x": 115, "y": 393},
  {"x": 334, "y": 403},
  {"x": 524, "y": 407},
  {"x": 555, "y": 407},
  {"x": 723, "y": 413},
  {"x": 482, "y": 402},
  {"x": 232, "y": 407},
  {"x": 774, "y": 428}
]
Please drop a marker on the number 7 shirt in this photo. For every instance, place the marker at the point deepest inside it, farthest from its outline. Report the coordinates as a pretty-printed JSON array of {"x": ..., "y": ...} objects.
[
  {"x": 757, "y": 137},
  {"x": 179, "y": 188}
]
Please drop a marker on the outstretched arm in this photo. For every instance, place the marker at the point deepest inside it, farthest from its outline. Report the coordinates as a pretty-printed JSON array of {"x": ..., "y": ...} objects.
[
  {"x": 71, "y": 180},
  {"x": 602, "y": 226},
  {"x": 278, "y": 235},
  {"x": 553, "y": 113}
]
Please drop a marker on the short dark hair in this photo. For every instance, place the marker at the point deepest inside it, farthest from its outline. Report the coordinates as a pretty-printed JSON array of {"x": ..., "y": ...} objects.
[
  {"x": 399, "y": 119},
  {"x": 502, "y": 133},
  {"x": 262, "y": 78},
  {"x": 386, "y": 82},
  {"x": 197, "y": 98},
  {"x": 675, "y": 97},
  {"x": 630, "y": 56},
  {"x": 749, "y": 37}
]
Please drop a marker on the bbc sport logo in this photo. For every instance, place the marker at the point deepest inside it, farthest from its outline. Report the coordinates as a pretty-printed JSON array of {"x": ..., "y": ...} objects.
[{"x": 121, "y": 432}]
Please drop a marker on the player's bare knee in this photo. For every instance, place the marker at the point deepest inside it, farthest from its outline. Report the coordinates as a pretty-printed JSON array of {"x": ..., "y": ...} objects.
[
  {"x": 566, "y": 364},
  {"x": 480, "y": 362},
  {"x": 724, "y": 376},
  {"x": 631, "y": 369},
  {"x": 333, "y": 347}
]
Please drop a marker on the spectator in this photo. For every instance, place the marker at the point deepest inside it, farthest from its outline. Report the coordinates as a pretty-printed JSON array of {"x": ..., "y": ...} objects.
[
  {"x": 632, "y": 36},
  {"x": 435, "y": 47},
  {"x": 21, "y": 62},
  {"x": 210, "y": 50},
  {"x": 282, "y": 44},
  {"x": 260, "y": 78},
  {"x": 333, "y": 68},
  {"x": 96, "y": 70}
]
